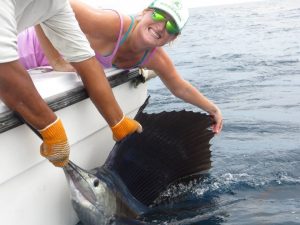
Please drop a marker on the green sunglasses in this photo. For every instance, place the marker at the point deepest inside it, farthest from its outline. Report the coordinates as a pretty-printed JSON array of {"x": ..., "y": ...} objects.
[{"x": 171, "y": 27}]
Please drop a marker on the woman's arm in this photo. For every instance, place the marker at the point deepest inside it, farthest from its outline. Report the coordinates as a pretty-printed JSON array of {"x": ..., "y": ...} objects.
[
  {"x": 163, "y": 66},
  {"x": 54, "y": 58}
]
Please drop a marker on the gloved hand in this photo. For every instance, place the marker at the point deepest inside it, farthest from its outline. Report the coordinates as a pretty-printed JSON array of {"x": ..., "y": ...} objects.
[
  {"x": 55, "y": 146},
  {"x": 125, "y": 127}
]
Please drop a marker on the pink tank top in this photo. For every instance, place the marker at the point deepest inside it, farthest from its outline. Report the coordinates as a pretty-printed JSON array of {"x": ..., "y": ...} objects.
[{"x": 31, "y": 54}]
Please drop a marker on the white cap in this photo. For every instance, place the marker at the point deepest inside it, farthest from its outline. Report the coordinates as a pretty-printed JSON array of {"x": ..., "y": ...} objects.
[{"x": 175, "y": 8}]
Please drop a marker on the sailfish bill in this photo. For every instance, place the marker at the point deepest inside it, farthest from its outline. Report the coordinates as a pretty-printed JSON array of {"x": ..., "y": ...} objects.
[{"x": 172, "y": 146}]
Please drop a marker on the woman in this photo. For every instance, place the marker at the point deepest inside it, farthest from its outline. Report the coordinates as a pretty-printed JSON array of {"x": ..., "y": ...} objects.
[{"x": 126, "y": 42}]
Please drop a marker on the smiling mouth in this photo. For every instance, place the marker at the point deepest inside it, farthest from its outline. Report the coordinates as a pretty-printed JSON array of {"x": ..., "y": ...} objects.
[{"x": 154, "y": 33}]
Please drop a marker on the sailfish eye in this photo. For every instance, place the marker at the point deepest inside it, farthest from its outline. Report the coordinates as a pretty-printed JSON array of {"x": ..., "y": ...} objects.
[{"x": 96, "y": 183}]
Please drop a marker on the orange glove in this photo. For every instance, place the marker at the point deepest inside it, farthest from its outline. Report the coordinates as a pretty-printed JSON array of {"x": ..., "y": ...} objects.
[
  {"x": 125, "y": 127},
  {"x": 55, "y": 146}
]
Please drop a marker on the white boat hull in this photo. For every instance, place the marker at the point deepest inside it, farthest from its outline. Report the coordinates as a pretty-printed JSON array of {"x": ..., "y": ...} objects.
[{"x": 32, "y": 190}]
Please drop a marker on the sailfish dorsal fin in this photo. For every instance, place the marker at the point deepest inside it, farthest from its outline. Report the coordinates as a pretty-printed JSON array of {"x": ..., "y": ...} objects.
[{"x": 172, "y": 145}]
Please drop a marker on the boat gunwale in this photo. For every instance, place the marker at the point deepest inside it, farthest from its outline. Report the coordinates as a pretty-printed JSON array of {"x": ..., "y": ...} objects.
[{"x": 10, "y": 120}]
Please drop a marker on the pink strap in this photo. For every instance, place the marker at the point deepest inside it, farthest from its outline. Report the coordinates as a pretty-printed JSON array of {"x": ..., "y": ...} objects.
[
  {"x": 106, "y": 61},
  {"x": 120, "y": 34}
]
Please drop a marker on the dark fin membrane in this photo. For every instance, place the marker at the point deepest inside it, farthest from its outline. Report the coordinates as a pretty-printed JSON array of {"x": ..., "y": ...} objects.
[{"x": 173, "y": 145}]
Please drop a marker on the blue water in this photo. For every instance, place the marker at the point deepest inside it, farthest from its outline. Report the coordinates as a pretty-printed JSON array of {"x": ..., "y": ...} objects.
[{"x": 246, "y": 58}]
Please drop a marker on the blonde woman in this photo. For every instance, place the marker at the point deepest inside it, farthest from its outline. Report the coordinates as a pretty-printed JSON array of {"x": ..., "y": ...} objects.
[{"x": 127, "y": 42}]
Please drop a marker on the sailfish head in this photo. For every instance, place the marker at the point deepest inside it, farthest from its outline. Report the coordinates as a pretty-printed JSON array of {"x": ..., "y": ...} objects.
[{"x": 95, "y": 197}]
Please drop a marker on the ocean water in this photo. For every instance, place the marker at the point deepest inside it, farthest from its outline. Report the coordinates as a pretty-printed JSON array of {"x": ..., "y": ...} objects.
[{"x": 246, "y": 58}]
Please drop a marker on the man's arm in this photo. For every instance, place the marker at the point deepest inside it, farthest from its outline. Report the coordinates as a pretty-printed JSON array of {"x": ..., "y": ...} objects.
[
  {"x": 18, "y": 92},
  {"x": 102, "y": 96},
  {"x": 99, "y": 89}
]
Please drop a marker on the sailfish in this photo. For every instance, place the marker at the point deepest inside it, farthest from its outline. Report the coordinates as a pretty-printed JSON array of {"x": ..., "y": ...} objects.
[{"x": 173, "y": 145}]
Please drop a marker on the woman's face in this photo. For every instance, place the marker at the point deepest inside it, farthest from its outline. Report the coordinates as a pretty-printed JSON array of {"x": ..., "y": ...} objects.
[{"x": 154, "y": 33}]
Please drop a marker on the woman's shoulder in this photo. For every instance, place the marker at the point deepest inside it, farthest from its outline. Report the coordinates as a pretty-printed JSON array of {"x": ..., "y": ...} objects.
[{"x": 160, "y": 59}]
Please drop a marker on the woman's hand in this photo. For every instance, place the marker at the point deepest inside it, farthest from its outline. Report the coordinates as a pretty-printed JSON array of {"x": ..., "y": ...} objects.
[
  {"x": 61, "y": 65},
  {"x": 217, "y": 120}
]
